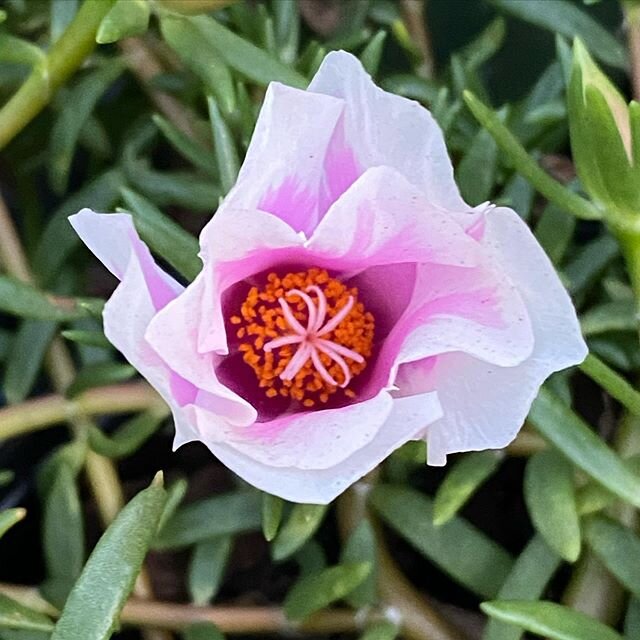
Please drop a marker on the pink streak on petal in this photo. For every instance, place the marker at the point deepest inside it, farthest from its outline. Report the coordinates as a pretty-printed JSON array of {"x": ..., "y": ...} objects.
[{"x": 293, "y": 202}]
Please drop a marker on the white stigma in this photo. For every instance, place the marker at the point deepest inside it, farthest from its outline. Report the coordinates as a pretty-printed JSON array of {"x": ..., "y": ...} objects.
[{"x": 310, "y": 340}]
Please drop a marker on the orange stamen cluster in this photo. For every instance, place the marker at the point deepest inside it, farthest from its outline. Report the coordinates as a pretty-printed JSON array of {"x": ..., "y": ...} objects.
[{"x": 262, "y": 325}]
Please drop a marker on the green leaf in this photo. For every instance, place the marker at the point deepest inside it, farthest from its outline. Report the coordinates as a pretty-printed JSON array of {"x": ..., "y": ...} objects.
[
  {"x": 550, "y": 498},
  {"x": 63, "y": 535},
  {"x": 99, "y": 374},
  {"x": 186, "y": 146},
  {"x": 554, "y": 232},
  {"x": 29, "y": 347},
  {"x": 200, "y": 55},
  {"x": 565, "y": 18},
  {"x": 272, "y": 508},
  {"x": 302, "y": 523},
  {"x": 20, "y": 51},
  {"x": 361, "y": 547},
  {"x": 88, "y": 338},
  {"x": 16, "y": 616},
  {"x": 381, "y": 631},
  {"x": 588, "y": 264},
  {"x": 245, "y": 57},
  {"x": 202, "y": 631},
  {"x": 129, "y": 437},
  {"x": 175, "y": 495},
  {"x": 314, "y": 592},
  {"x": 227, "y": 514},
  {"x": 576, "y": 441},
  {"x": 618, "y": 315},
  {"x": 9, "y": 518},
  {"x": 457, "y": 547},
  {"x": 602, "y": 136},
  {"x": 632, "y": 620},
  {"x": 476, "y": 172},
  {"x": 464, "y": 479},
  {"x": 372, "y": 53},
  {"x": 163, "y": 235},
  {"x": 615, "y": 385},
  {"x": 619, "y": 550},
  {"x": 23, "y": 300},
  {"x": 517, "y": 155},
  {"x": 207, "y": 567},
  {"x": 532, "y": 571},
  {"x": 6, "y": 477},
  {"x": 126, "y": 18},
  {"x": 77, "y": 105},
  {"x": 93, "y": 607},
  {"x": 550, "y": 620},
  {"x": 225, "y": 148}
]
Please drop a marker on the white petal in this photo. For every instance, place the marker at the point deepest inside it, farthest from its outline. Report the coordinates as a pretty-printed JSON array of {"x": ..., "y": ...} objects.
[
  {"x": 320, "y": 486},
  {"x": 485, "y": 405},
  {"x": 385, "y": 129}
]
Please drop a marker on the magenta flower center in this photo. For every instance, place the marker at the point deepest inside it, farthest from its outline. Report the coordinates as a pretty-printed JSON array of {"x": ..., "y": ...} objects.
[{"x": 305, "y": 335}]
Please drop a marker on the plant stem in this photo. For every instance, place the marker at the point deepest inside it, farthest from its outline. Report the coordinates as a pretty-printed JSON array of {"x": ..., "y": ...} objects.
[
  {"x": 257, "y": 621},
  {"x": 101, "y": 472},
  {"x": 632, "y": 14},
  {"x": 65, "y": 57},
  {"x": 418, "y": 619},
  {"x": 414, "y": 19},
  {"x": 524, "y": 164},
  {"x": 40, "y": 413},
  {"x": 144, "y": 65}
]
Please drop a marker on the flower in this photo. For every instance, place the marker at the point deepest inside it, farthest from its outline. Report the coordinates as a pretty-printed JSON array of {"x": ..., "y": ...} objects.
[{"x": 349, "y": 300}]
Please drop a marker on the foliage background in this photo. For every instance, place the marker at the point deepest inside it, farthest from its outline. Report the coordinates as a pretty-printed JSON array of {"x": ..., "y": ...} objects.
[{"x": 155, "y": 120}]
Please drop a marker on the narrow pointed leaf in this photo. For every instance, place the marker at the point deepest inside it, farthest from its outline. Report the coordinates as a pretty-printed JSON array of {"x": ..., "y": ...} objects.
[
  {"x": 577, "y": 442},
  {"x": 227, "y": 514},
  {"x": 272, "y": 508},
  {"x": 207, "y": 567},
  {"x": 457, "y": 547},
  {"x": 462, "y": 482},
  {"x": 16, "y": 616},
  {"x": 302, "y": 523},
  {"x": 316, "y": 591},
  {"x": 550, "y": 620},
  {"x": 92, "y": 609},
  {"x": 618, "y": 548},
  {"x": 550, "y": 498},
  {"x": 9, "y": 518}
]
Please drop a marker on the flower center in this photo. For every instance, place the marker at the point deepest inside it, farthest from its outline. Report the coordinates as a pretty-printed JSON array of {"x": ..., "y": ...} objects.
[{"x": 305, "y": 336}]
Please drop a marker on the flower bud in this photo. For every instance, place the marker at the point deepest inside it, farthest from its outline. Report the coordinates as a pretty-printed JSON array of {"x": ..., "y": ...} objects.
[{"x": 604, "y": 137}]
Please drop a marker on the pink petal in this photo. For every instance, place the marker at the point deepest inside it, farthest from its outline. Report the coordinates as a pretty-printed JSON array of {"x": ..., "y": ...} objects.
[
  {"x": 485, "y": 405},
  {"x": 144, "y": 287},
  {"x": 235, "y": 244},
  {"x": 385, "y": 129},
  {"x": 173, "y": 334},
  {"x": 320, "y": 485},
  {"x": 384, "y": 219},
  {"x": 281, "y": 176}
]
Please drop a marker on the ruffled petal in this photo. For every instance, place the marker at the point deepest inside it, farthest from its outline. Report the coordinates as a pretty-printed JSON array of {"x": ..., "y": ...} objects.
[
  {"x": 144, "y": 288},
  {"x": 384, "y": 219},
  {"x": 385, "y": 129},
  {"x": 485, "y": 405},
  {"x": 406, "y": 421},
  {"x": 278, "y": 175}
]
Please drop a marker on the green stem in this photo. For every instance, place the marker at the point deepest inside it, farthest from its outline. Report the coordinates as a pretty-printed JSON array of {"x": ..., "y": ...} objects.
[
  {"x": 613, "y": 383},
  {"x": 524, "y": 164},
  {"x": 65, "y": 57}
]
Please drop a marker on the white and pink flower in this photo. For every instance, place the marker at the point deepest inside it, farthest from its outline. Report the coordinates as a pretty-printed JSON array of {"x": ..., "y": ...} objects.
[{"x": 349, "y": 301}]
